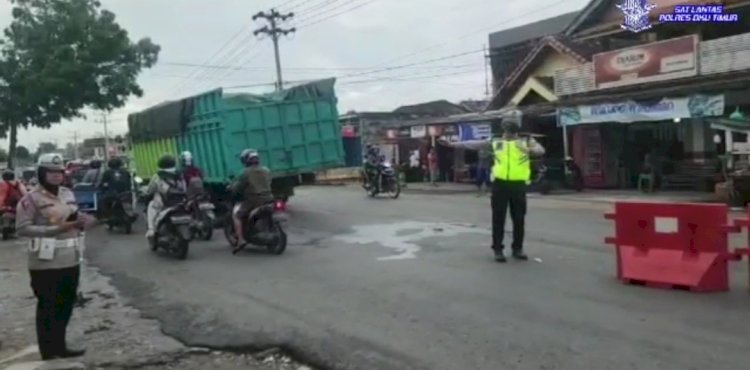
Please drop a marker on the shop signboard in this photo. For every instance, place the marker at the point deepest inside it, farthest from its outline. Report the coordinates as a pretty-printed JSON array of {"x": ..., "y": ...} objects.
[
  {"x": 418, "y": 131},
  {"x": 474, "y": 131},
  {"x": 658, "y": 61},
  {"x": 631, "y": 111}
]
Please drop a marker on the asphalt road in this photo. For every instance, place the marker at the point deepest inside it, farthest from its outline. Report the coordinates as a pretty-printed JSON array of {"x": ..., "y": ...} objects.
[{"x": 410, "y": 284}]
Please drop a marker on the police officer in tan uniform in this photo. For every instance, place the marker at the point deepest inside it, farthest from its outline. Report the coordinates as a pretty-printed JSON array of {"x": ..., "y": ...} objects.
[{"x": 48, "y": 215}]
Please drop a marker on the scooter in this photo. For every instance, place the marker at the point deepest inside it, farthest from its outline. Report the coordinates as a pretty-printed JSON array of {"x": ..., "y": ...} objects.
[
  {"x": 262, "y": 227},
  {"x": 204, "y": 217},
  {"x": 173, "y": 231},
  {"x": 121, "y": 213}
]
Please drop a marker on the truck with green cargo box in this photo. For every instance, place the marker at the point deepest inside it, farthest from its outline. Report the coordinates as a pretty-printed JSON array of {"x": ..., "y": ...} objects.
[{"x": 296, "y": 132}]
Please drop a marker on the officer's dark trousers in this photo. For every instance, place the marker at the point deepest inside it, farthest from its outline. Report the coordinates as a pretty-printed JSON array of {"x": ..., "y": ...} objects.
[
  {"x": 508, "y": 194},
  {"x": 56, "y": 292}
]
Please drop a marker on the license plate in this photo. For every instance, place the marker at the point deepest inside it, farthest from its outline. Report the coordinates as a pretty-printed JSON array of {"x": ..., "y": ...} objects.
[
  {"x": 206, "y": 206},
  {"x": 177, "y": 220},
  {"x": 280, "y": 216}
]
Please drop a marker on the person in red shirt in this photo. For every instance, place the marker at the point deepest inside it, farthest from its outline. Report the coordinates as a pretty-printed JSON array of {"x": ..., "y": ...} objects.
[
  {"x": 192, "y": 175},
  {"x": 11, "y": 190},
  {"x": 432, "y": 165}
]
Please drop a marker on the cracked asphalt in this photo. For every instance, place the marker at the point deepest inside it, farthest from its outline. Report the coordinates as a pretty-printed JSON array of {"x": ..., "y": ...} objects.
[{"x": 410, "y": 284}]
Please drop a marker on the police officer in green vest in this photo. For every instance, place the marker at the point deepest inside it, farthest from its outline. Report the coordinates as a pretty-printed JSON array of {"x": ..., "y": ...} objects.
[{"x": 510, "y": 175}]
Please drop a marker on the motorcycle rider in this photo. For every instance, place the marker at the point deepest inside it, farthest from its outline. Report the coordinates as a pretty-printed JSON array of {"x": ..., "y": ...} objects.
[
  {"x": 165, "y": 187},
  {"x": 94, "y": 174},
  {"x": 11, "y": 190},
  {"x": 114, "y": 182},
  {"x": 373, "y": 165},
  {"x": 192, "y": 175},
  {"x": 254, "y": 184}
]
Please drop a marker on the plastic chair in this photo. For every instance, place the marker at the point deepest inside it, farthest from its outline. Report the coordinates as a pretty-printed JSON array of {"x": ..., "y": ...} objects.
[{"x": 646, "y": 177}]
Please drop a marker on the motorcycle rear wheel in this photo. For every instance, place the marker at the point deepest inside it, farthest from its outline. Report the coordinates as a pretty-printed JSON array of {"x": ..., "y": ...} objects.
[
  {"x": 182, "y": 248},
  {"x": 7, "y": 233},
  {"x": 280, "y": 246},
  {"x": 394, "y": 188}
]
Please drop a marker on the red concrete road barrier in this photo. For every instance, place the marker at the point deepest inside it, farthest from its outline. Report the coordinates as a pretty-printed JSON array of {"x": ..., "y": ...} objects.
[
  {"x": 673, "y": 245},
  {"x": 745, "y": 251}
]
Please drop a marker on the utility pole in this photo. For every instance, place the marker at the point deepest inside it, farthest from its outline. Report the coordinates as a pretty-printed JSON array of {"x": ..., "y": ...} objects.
[
  {"x": 486, "y": 77},
  {"x": 75, "y": 145},
  {"x": 106, "y": 135},
  {"x": 274, "y": 31}
]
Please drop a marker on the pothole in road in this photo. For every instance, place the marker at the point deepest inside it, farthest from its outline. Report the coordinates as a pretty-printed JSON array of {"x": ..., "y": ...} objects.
[{"x": 204, "y": 358}]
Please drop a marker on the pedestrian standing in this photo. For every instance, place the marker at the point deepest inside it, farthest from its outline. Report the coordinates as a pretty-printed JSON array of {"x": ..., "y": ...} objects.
[
  {"x": 432, "y": 164},
  {"x": 49, "y": 216},
  {"x": 511, "y": 173},
  {"x": 484, "y": 161}
]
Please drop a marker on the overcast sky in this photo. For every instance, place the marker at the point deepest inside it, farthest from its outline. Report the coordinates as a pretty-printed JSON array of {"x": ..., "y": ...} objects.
[{"x": 349, "y": 39}]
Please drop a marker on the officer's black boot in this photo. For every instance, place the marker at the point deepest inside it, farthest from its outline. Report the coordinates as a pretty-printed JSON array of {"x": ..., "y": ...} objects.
[
  {"x": 519, "y": 255},
  {"x": 500, "y": 256}
]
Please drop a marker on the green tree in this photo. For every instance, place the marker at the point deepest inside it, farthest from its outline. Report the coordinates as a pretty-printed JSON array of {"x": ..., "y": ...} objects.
[
  {"x": 60, "y": 56},
  {"x": 22, "y": 153},
  {"x": 45, "y": 148},
  {"x": 3, "y": 155}
]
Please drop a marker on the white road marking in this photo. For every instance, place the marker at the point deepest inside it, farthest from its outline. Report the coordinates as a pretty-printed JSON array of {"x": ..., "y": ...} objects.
[
  {"x": 388, "y": 236},
  {"x": 21, "y": 354}
]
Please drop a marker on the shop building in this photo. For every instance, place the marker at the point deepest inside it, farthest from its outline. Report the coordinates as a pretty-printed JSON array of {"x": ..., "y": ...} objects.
[{"x": 653, "y": 102}]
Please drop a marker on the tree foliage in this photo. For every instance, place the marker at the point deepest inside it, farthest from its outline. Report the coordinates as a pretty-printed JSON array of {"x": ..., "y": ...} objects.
[
  {"x": 60, "y": 56},
  {"x": 22, "y": 152}
]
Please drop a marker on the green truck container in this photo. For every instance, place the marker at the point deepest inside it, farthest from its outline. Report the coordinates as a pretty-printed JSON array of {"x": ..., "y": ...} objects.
[{"x": 296, "y": 131}]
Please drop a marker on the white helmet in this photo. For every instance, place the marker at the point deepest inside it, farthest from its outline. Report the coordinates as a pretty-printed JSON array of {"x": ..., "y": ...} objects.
[
  {"x": 249, "y": 154},
  {"x": 186, "y": 157}
]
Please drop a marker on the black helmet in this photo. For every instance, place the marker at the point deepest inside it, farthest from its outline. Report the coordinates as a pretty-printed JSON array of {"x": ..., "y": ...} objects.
[
  {"x": 95, "y": 164},
  {"x": 9, "y": 175},
  {"x": 166, "y": 162},
  {"x": 115, "y": 163}
]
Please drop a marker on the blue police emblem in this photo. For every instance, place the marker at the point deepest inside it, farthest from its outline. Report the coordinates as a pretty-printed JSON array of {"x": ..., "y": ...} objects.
[{"x": 636, "y": 14}]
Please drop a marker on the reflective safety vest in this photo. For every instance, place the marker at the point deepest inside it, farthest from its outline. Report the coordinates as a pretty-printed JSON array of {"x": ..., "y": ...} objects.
[{"x": 510, "y": 162}]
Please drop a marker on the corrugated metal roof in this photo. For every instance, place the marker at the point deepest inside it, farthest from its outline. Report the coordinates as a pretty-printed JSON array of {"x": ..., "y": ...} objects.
[{"x": 531, "y": 31}]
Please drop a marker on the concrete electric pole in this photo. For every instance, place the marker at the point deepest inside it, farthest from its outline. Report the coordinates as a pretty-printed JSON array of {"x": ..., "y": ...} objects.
[
  {"x": 105, "y": 122},
  {"x": 274, "y": 31}
]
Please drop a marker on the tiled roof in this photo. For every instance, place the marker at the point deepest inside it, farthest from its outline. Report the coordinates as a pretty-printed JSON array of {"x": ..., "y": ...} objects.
[
  {"x": 531, "y": 31},
  {"x": 582, "y": 53}
]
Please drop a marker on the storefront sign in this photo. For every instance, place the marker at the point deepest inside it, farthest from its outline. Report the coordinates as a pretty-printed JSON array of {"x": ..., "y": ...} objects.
[
  {"x": 630, "y": 111},
  {"x": 658, "y": 61},
  {"x": 474, "y": 131},
  {"x": 418, "y": 131}
]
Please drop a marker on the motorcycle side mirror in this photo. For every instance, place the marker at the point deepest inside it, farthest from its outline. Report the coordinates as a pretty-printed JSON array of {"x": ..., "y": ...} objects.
[{"x": 138, "y": 180}]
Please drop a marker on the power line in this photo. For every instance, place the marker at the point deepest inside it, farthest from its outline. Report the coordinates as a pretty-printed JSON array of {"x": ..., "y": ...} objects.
[
  {"x": 274, "y": 31},
  {"x": 212, "y": 57},
  {"x": 315, "y": 7},
  {"x": 242, "y": 67},
  {"x": 457, "y": 55},
  {"x": 313, "y": 22},
  {"x": 483, "y": 29}
]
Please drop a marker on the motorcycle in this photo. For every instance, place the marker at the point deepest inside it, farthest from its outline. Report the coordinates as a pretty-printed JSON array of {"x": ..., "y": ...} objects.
[
  {"x": 204, "y": 217},
  {"x": 387, "y": 179},
  {"x": 173, "y": 231},
  {"x": 262, "y": 227},
  {"x": 556, "y": 174},
  {"x": 121, "y": 214},
  {"x": 8, "y": 223}
]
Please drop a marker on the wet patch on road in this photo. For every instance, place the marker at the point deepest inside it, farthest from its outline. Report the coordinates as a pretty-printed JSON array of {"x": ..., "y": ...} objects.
[{"x": 405, "y": 237}]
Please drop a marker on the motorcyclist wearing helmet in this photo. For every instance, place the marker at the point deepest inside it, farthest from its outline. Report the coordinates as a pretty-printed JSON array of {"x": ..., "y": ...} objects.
[
  {"x": 115, "y": 181},
  {"x": 373, "y": 164},
  {"x": 254, "y": 184},
  {"x": 192, "y": 175},
  {"x": 94, "y": 174},
  {"x": 166, "y": 187},
  {"x": 11, "y": 190}
]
